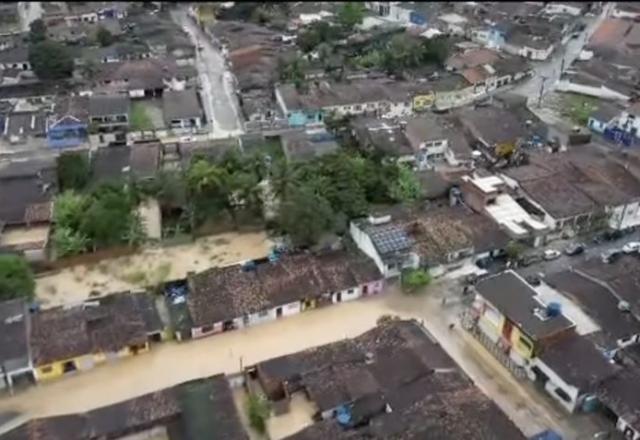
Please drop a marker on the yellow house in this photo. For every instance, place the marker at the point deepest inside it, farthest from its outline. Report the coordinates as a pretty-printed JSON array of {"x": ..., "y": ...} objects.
[
  {"x": 511, "y": 315},
  {"x": 67, "y": 340}
]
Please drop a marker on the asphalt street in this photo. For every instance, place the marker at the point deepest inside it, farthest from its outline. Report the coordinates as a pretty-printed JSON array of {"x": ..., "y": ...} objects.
[{"x": 216, "y": 81}]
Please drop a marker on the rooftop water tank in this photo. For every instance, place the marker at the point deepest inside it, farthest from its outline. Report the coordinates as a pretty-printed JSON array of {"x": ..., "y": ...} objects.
[{"x": 554, "y": 309}]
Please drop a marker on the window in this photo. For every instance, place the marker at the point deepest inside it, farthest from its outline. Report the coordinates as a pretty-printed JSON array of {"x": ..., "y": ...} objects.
[
  {"x": 207, "y": 329},
  {"x": 263, "y": 313},
  {"x": 525, "y": 344},
  {"x": 46, "y": 370},
  {"x": 563, "y": 395},
  {"x": 358, "y": 108}
]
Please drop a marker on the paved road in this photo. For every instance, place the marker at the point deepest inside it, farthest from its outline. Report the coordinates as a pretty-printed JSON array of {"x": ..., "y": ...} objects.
[
  {"x": 216, "y": 82},
  {"x": 29, "y": 12},
  {"x": 550, "y": 69}
]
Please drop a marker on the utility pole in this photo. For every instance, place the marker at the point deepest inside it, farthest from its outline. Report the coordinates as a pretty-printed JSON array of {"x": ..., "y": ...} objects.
[{"x": 544, "y": 79}]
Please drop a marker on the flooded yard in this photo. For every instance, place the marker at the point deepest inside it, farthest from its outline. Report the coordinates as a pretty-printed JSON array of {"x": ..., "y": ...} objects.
[{"x": 148, "y": 267}]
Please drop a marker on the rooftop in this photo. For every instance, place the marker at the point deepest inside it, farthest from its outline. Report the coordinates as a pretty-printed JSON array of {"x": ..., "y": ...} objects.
[
  {"x": 181, "y": 105},
  {"x": 396, "y": 365},
  {"x": 382, "y": 135},
  {"x": 14, "y": 335},
  {"x": 220, "y": 294},
  {"x": 198, "y": 409},
  {"x": 307, "y": 145},
  {"x": 102, "y": 105},
  {"x": 101, "y": 326},
  {"x": 516, "y": 299}
]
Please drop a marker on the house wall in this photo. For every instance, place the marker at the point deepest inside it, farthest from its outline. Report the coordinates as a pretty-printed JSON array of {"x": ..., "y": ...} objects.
[
  {"x": 364, "y": 243},
  {"x": 603, "y": 92},
  {"x": 67, "y": 135},
  {"x": 346, "y": 295},
  {"x": 629, "y": 432},
  {"x": 555, "y": 382},
  {"x": 560, "y": 8},
  {"x": 85, "y": 362},
  {"x": 618, "y": 13},
  {"x": 455, "y": 98},
  {"x": 423, "y": 102},
  {"x": 597, "y": 126},
  {"x": 624, "y": 216},
  {"x": 23, "y": 65}
]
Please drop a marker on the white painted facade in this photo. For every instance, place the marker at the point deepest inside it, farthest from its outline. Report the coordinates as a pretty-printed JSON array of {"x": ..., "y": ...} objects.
[
  {"x": 364, "y": 243},
  {"x": 624, "y": 216},
  {"x": 603, "y": 92},
  {"x": 621, "y": 13},
  {"x": 629, "y": 432},
  {"x": 384, "y": 109},
  {"x": 555, "y": 382},
  {"x": 562, "y": 8}
]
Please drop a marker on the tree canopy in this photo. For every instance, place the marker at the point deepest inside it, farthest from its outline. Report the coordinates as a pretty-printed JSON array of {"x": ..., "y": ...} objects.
[
  {"x": 37, "y": 31},
  {"x": 50, "y": 60},
  {"x": 350, "y": 14},
  {"x": 104, "y": 37},
  {"x": 306, "y": 216},
  {"x": 16, "y": 278},
  {"x": 73, "y": 171}
]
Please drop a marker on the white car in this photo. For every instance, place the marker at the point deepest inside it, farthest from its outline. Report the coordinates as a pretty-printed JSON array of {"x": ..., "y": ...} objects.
[
  {"x": 551, "y": 254},
  {"x": 631, "y": 247}
]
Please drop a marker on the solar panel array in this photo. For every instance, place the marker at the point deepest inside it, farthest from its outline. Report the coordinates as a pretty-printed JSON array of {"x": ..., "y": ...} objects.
[{"x": 390, "y": 239}]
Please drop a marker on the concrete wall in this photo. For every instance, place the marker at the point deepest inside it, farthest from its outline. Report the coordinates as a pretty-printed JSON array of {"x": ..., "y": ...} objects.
[
  {"x": 554, "y": 382},
  {"x": 629, "y": 432},
  {"x": 624, "y": 216},
  {"x": 602, "y": 92},
  {"x": 365, "y": 244}
]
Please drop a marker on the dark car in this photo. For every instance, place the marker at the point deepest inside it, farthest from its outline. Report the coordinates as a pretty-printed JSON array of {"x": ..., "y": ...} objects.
[
  {"x": 528, "y": 260},
  {"x": 574, "y": 249},
  {"x": 534, "y": 280}
]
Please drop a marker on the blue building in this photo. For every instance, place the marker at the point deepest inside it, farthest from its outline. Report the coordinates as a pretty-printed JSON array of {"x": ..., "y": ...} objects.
[
  {"x": 295, "y": 107},
  {"x": 68, "y": 127}
]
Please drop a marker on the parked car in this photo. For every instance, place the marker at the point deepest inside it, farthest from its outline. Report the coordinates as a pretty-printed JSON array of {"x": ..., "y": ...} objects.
[
  {"x": 527, "y": 260},
  {"x": 551, "y": 254},
  {"x": 631, "y": 247},
  {"x": 610, "y": 256},
  {"x": 534, "y": 280},
  {"x": 574, "y": 249}
]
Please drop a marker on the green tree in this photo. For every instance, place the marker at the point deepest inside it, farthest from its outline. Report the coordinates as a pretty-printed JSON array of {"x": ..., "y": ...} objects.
[
  {"x": 414, "y": 279},
  {"x": 108, "y": 219},
  {"x": 305, "y": 216},
  {"x": 50, "y": 60},
  {"x": 406, "y": 188},
  {"x": 259, "y": 412},
  {"x": 69, "y": 208},
  {"x": 37, "y": 31},
  {"x": 104, "y": 37},
  {"x": 316, "y": 33},
  {"x": 73, "y": 171},
  {"x": 514, "y": 250},
  {"x": 67, "y": 241},
  {"x": 16, "y": 278},
  {"x": 350, "y": 14}
]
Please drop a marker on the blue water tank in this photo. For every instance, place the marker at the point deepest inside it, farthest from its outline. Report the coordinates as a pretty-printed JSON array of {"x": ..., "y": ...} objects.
[
  {"x": 554, "y": 309},
  {"x": 343, "y": 415}
]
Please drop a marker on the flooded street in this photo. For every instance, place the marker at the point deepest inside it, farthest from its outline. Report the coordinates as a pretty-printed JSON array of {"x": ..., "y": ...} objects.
[
  {"x": 172, "y": 363},
  {"x": 149, "y": 267}
]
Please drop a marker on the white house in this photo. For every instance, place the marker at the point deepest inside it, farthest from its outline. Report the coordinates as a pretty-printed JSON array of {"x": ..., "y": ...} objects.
[{"x": 558, "y": 8}]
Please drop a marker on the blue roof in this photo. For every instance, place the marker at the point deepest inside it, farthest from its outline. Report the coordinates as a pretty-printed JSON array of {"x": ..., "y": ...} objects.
[{"x": 549, "y": 434}]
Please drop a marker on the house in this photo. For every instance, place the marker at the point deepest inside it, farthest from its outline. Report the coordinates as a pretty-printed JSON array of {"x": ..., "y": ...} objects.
[
  {"x": 439, "y": 239},
  {"x": 619, "y": 394},
  {"x": 489, "y": 196},
  {"x": 111, "y": 164},
  {"x": 629, "y": 10},
  {"x": 15, "y": 58},
  {"x": 109, "y": 113},
  {"x": 498, "y": 128},
  {"x": 92, "y": 12},
  {"x": 68, "y": 125},
  {"x": 232, "y": 297},
  {"x": 182, "y": 110},
  {"x": 144, "y": 77},
  {"x": 385, "y": 136},
  {"x": 437, "y": 140},
  {"x": 574, "y": 9},
  {"x": 574, "y": 190},
  {"x": 201, "y": 408},
  {"x": 533, "y": 337},
  {"x": 391, "y": 381},
  {"x": 381, "y": 98},
  {"x": 404, "y": 13},
  {"x": 535, "y": 41},
  {"x": 619, "y": 327},
  {"x": 600, "y": 79},
  {"x": 308, "y": 144},
  {"x": 604, "y": 116},
  {"x": 69, "y": 339},
  {"x": 15, "y": 352},
  {"x": 27, "y": 189},
  {"x": 25, "y": 127}
]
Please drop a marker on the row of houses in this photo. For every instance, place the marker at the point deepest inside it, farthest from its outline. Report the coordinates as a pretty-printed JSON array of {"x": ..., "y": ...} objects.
[
  {"x": 391, "y": 380},
  {"x": 576, "y": 335},
  {"x": 40, "y": 345}
]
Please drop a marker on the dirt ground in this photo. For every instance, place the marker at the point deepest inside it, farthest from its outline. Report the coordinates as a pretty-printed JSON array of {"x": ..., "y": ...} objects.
[{"x": 149, "y": 267}]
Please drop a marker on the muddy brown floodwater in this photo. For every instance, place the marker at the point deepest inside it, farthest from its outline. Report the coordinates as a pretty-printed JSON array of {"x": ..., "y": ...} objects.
[{"x": 148, "y": 267}]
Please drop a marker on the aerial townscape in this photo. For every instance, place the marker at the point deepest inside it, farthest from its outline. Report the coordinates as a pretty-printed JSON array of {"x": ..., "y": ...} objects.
[{"x": 320, "y": 220}]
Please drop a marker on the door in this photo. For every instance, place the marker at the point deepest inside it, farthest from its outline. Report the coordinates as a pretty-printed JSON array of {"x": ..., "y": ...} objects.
[
  {"x": 507, "y": 328},
  {"x": 279, "y": 312},
  {"x": 338, "y": 296},
  {"x": 365, "y": 290}
]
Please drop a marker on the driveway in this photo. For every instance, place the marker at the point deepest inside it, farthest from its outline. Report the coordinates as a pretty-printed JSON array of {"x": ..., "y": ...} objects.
[
  {"x": 216, "y": 81},
  {"x": 172, "y": 363}
]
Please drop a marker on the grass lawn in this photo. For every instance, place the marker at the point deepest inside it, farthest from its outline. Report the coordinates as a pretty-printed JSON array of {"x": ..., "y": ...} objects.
[
  {"x": 139, "y": 120},
  {"x": 578, "y": 108}
]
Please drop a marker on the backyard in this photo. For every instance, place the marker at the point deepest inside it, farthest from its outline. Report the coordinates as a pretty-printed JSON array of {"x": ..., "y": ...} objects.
[
  {"x": 148, "y": 267},
  {"x": 139, "y": 119}
]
